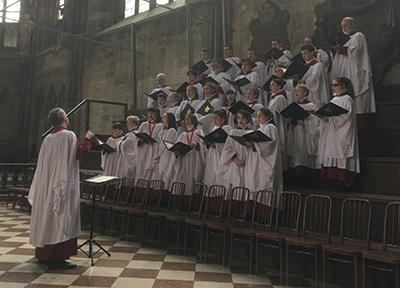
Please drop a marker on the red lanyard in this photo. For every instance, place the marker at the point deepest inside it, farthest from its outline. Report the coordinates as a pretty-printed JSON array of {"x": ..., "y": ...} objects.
[
  {"x": 252, "y": 104},
  {"x": 229, "y": 112},
  {"x": 162, "y": 136},
  {"x": 152, "y": 129},
  {"x": 187, "y": 101},
  {"x": 191, "y": 137}
]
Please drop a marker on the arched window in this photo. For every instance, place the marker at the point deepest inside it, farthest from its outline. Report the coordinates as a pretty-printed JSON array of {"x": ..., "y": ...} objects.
[{"x": 133, "y": 7}]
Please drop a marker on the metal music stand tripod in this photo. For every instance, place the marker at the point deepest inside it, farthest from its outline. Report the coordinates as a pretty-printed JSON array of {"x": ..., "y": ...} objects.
[{"x": 95, "y": 182}]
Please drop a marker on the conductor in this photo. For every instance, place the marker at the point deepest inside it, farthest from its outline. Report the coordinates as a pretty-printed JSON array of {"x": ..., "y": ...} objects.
[{"x": 54, "y": 194}]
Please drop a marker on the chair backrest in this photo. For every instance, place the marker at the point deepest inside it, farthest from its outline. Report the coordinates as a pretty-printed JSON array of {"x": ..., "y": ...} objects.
[
  {"x": 28, "y": 177},
  {"x": 214, "y": 202},
  {"x": 355, "y": 221},
  {"x": 154, "y": 195},
  {"x": 238, "y": 204},
  {"x": 263, "y": 210},
  {"x": 288, "y": 213},
  {"x": 197, "y": 199},
  {"x": 125, "y": 191},
  {"x": 139, "y": 193},
  {"x": 176, "y": 197},
  {"x": 111, "y": 194},
  {"x": 391, "y": 227},
  {"x": 85, "y": 189},
  {"x": 317, "y": 217}
]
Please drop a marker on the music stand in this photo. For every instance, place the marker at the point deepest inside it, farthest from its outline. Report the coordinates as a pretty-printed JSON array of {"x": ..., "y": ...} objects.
[{"x": 95, "y": 182}]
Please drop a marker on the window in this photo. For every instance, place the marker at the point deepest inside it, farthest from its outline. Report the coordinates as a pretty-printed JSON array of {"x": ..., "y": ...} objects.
[
  {"x": 61, "y": 9},
  {"x": 11, "y": 14},
  {"x": 10, "y": 37},
  {"x": 133, "y": 7}
]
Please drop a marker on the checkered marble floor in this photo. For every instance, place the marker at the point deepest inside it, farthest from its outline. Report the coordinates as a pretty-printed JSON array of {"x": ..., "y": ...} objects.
[{"x": 130, "y": 265}]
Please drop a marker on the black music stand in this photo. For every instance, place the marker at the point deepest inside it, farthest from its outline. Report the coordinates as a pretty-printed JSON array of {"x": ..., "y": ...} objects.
[{"x": 95, "y": 182}]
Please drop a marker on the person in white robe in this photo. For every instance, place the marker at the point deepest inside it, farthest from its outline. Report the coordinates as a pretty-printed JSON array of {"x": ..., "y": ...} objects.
[
  {"x": 233, "y": 60},
  {"x": 303, "y": 137},
  {"x": 189, "y": 168},
  {"x": 220, "y": 75},
  {"x": 315, "y": 78},
  {"x": 128, "y": 147},
  {"x": 213, "y": 162},
  {"x": 241, "y": 92},
  {"x": 161, "y": 79},
  {"x": 192, "y": 100},
  {"x": 338, "y": 143},
  {"x": 174, "y": 102},
  {"x": 112, "y": 163},
  {"x": 192, "y": 77},
  {"x": 164, "y": 161},
  {"x": 352, "y": 61},
  {"x": 54, "y": 194},
  {"x": 286, "y": 59},
  {"x": 290, "y": 86},
  {"x": 253, "y": 95},
  {"x": 278, "y": 102},
  {"x": 233, "y": 157},
  {"x": 259, "y": 66},
  {"x": 206, "y": 122},
  {"x": 320, "y": 55},
  {"x": 162, "y": 103},
  {"x": 263, "y": 169},
  {"x": 145, "y": 152},
  {"x": 206, "y": 56},
  {"x": 229, "y": 102}
]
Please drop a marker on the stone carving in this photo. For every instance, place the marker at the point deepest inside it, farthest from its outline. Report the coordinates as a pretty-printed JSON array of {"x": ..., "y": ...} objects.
[
  {"x": 25, "y": 32},
  {"x": 271, "y": 22}
]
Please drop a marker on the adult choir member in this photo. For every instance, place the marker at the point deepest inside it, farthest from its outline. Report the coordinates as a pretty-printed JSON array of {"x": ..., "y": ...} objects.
[
  {"x": 161, "y": 79},
  {"x": 233, "y": 60},
  {"x": 319, "y": 54},
  {"x": 352, "y": 61},
  {"x": 54, "y": 194}
]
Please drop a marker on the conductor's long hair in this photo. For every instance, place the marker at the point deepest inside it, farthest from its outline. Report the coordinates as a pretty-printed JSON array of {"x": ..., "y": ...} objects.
[{"x": 346, "y": 83}]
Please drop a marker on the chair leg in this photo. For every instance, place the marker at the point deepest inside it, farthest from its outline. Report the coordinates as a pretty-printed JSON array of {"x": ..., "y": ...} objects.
[
  {"x": 397, "y": 275},
  {"x": 251, "y": 256},
  {"x": 166, "y": 233},
  {"x": 201, "y": 242},
  {"x": 224, "y": 248},
  {"x": 287, "y": 264},
  {"x": 205, "y": 252},
  {"x": 281, "y": 261},
  {"x": 324, "y": 269},
  {"x": 316, "y": 267},
  {"x": 178, "y": 236},
  {"x": 230, "y": 251},
  {"x": 184, "y": 241},
  {"x": 363, "y": 271},
  {"x": 355, "y": 271}
]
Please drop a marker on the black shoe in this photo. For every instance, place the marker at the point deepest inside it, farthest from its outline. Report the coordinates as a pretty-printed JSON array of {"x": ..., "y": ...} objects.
[
  {"x": 43, "y": 261},
  {"x": 61, "y": 264}
]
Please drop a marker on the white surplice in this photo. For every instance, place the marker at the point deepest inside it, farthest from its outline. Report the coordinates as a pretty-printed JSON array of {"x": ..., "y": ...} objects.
[
  {"x": 338, "y": 143},
  {"x": 166, "y": 89},
  {"x": 241, "y": 94},
  {"x": 317, "y": 80},
  {"x": 164, "y": 166},
  {"x": 235, "y": 70},
  {"x": 357, "y": 67},
  {"x": 145, "y": 152},
  {"x": 54, "y": 193},
  {"x": 112, "y": 163},
  {"x": 128, "y": 150},
  {"x": 181, "y": 125},
  {"x": 190, "y": 168},
  {"x": 206, "y": 122}
]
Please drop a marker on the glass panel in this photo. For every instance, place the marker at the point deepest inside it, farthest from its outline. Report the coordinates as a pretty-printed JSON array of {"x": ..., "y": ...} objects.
[
  {"x": 144, "y": 6},
  {"x": 12, "y": 13},
  {"x": 162, "y": 2},
  {"x": 10, "y": 37},
  {"x": 60, "y": 9},
  {"x": 129, "y": 8}
]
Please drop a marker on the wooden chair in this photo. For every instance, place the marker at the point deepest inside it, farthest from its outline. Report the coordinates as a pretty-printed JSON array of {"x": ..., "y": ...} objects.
[
  {"x": 390, "y": 253},
  {"x": 263, "y": 209},
  {"x": 120, "y": 208},
  {"x": 286, "y": 224},
  {"x": 105, "y": 207},
  {"x": 236, "y": 217},
  {"x": 355, "y": 224},
  {"x": 154, "y": 215},
  {"x": 86, "y": 201},
  {"x": 137, "y": 212},
  {"x": 315, "y": 231},
  {"x": 177, "y": 220},
  {"x": 20, "y": 194}
]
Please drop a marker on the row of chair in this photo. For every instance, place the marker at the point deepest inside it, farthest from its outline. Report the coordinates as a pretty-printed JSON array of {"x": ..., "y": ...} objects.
[
  {"x": 19, "y": 194},
  {"x": 263, "y": 221}
]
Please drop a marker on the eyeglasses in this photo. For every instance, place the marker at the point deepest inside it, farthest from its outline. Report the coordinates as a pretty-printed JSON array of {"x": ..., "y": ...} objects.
[{"x": 335, "y": 85}]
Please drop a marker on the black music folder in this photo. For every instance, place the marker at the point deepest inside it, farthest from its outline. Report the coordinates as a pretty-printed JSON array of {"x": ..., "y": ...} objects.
[
  {"x": 154, "y": 95},
  {"x": 182, "y": 88},
  {"x": 186, "y": 111},
  {"x": 296, "y": 68},
  {"x": 265, "y": 87},
  {"x": 241, "y": 106},
  {"x": 299, "y": 59},
  {"x": 107, "y": 148},
  {"x": 146, "y": 137},
  {"x": 217, "y": 136},
  {"x": 208, "y": 79},
  {"x": 200, "y": 66},
  {"x": 295, "y": 112},
  {"x": 205, "y": 109},
  {"x": 226, "y": 65},
  {"x": 256, "y": 136},
  {"x": 339, "y": 38},
  {"x": 181, "y": 147},
  {"x": 239, "y": 83},
  {"x": 274, "y": 53},
  {"x": 329, "y": 110}
]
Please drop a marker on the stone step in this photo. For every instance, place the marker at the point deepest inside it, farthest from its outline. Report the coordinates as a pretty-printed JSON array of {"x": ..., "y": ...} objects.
[
  {"x": 379, "y": 141},
  {"x": 387, "y": 113}
]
